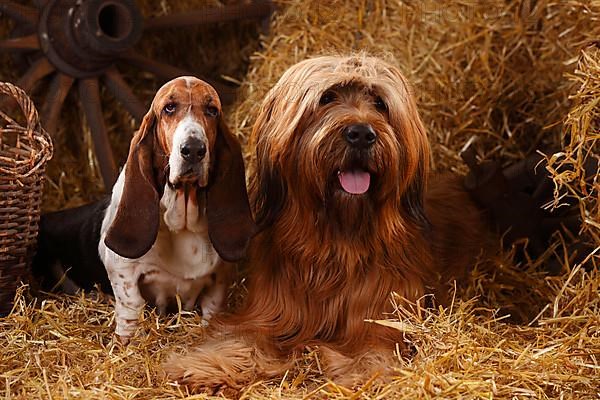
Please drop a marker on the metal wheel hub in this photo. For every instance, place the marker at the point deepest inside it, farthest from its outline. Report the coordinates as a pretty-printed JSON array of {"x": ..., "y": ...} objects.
[{"x": 84, "y": 38}]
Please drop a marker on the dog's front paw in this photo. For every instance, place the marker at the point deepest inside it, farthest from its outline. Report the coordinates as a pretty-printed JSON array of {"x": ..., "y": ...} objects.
[
  {"x": 123, "y": 339},
  {"x": 218, "y": 363}
]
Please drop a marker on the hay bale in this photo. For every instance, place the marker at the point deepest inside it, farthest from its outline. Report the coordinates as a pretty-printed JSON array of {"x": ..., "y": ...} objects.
[
  {"x": 580, "y": 145},
  {"x": 494, "y": 70}
]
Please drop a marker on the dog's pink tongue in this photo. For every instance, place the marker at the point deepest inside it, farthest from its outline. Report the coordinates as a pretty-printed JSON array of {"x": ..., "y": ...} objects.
[{"x": 355, "y": 181}]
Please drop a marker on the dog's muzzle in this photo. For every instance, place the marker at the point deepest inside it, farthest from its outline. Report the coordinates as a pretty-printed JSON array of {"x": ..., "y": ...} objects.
[
  {"x": 354, "y": 178},
  {"x": 360, "y": 136},
  {"x": 190, "y": 166},
  {"x": 192, "y": 150}
]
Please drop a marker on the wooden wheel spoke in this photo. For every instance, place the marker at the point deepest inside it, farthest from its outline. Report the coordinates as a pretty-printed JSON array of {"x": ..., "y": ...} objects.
[
  {"x": 57, "y": 92},
  {"x": 122, "y": 92},
  {"x": 161, "y": 70},
  {"x": 168, "y": 72},
  {"x": 40, "y": 3},
  {"x": 37, "y": 71},
  {"x": 20, "y": 12},
  {"x": 253, "y": 10},
  {"x": 89, "y": 95},
  {"x": 30, "y": 42}
]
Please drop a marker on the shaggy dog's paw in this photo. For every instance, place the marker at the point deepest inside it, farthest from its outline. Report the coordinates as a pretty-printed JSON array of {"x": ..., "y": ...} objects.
[{"x": 216, "y": 364}]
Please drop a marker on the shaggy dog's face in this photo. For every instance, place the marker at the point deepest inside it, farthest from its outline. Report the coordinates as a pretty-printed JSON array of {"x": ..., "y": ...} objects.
[
  {"x": 347, "y": 149},
  {"x": 341, "y": 137}
]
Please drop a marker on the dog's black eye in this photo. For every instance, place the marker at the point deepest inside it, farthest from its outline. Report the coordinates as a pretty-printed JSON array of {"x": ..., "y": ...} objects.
[
  {"x": 380, "y": 104},
  {"x": 170, "y": 108},
  {"x": 327, "y": 97},
  {"x": 211, "y": 111}
]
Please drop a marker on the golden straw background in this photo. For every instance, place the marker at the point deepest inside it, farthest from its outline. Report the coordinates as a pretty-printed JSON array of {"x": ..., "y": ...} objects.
[{"x": 515, "y": 76}]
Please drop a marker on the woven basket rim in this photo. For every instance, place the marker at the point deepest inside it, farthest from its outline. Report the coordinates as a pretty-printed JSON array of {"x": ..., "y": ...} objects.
[{"x": 41, "y": 143}]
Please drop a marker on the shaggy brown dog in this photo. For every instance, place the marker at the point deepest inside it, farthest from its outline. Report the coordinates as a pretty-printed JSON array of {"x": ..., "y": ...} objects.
[{"x": 348, "y": 217}]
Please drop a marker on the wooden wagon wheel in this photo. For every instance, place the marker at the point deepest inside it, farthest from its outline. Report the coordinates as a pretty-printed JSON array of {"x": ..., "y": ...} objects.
[{"x": 78, "y": 45}]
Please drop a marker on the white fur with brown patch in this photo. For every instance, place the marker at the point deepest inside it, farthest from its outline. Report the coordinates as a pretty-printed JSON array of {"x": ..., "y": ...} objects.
[{"x": 182, "y": 262}]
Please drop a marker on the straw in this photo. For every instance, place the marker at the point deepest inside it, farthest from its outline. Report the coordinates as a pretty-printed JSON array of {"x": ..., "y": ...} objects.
[{"x": 514, "y": 77}]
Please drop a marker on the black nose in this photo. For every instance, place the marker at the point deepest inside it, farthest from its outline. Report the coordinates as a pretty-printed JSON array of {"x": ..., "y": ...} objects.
[
  {"x": 193, "y": 150},
  {"x": 361, "y": 136}
]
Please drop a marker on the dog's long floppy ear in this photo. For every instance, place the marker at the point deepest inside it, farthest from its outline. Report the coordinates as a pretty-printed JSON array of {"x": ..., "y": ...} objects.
[
  {"x": 405, "y": 119},
  {"x": 413, "y": 198},
  {"x": 269, "y": 192},
  {"x": 414, "y": 194},
  {"x": 135, "y": 227},
  {"x": 230, "y": 223}
]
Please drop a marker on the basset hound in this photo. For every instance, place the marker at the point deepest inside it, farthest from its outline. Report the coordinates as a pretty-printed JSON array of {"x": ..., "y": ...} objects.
[{"x": 177, "y": 216}]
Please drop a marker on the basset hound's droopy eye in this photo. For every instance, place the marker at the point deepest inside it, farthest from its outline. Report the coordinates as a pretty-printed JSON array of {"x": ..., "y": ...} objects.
[
  {"x": 211, "y": 111},
  {"x": 170, "y": 108}
]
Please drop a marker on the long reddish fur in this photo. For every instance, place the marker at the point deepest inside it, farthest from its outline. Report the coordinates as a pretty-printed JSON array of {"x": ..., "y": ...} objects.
[{"x": 325, "y": 262}]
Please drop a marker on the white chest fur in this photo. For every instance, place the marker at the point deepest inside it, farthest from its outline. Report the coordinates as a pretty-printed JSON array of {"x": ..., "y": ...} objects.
[
  {"x": 183, "y": 247},
  {"x": 181, "y": 263},
  {"x": 184, "y": 254}
]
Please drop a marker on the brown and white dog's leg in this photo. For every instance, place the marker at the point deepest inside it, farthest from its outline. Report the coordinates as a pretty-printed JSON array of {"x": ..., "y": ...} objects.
[
  {"x": 214, "y": 298},
  {"x": 129, "y": 302}
]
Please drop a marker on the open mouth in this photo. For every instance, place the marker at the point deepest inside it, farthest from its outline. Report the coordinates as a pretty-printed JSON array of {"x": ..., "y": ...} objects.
[{"x": 354, "y": 180}]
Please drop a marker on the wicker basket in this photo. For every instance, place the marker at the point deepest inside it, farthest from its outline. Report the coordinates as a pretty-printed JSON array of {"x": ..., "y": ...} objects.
[{"x": 24, "y": 150}]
